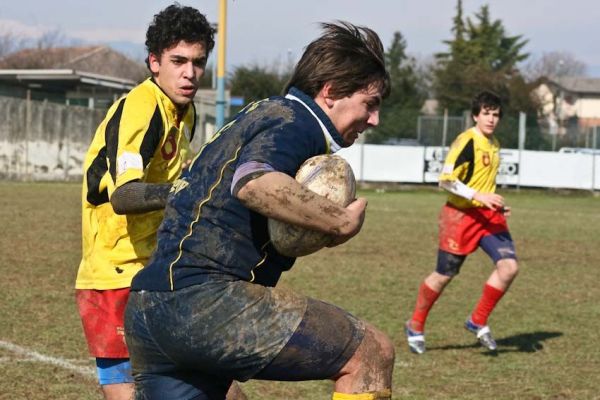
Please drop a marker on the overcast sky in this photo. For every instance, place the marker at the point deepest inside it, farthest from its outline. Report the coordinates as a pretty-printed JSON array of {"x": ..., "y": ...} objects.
[{"x": 267, "y": 31}]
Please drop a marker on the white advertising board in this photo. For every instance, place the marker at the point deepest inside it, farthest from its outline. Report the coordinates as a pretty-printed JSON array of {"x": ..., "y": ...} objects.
[{"x": 508, "y": 172}]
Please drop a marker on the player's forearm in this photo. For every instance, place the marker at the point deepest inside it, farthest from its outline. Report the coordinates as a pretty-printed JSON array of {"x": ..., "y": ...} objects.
[
  {"x": 458, "y": 188},
  {"x": 277, "y": 195},
  {"x": 139, "y": 197},
  {"x": 490, "y": 200}
]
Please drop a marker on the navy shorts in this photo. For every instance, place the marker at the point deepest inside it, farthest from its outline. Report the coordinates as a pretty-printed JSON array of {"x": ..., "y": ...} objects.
[
  {"x": 497, "y": 246},
  {"x": 193, "y": 342}
]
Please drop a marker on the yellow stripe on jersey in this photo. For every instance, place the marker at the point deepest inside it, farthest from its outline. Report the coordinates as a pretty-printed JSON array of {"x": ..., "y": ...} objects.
[
  {"x": 141, "y": 138},
  {"x": 473, "y": 159},
  {"x": 202, "y": 203},
  {"x": 261, "y": 262}
]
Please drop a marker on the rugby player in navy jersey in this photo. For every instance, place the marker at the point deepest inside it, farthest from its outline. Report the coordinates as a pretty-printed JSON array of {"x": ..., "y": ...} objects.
[{"x": 206, "y": 309}]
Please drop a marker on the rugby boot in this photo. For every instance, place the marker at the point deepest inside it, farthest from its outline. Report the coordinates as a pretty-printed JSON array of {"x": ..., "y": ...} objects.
[
  {"x": 483, "y": 333},
  {"x": 416, "y": 340}
]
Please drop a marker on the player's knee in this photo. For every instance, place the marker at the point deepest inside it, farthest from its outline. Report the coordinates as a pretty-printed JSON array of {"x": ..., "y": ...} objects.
[
  {"x": 387, "y": 351},
  {"x": 508, "y": 268},
  {"x": 449, "y": 264},
  {"x": 375, "y": 354},
  {"x": 380, "y": 349}
]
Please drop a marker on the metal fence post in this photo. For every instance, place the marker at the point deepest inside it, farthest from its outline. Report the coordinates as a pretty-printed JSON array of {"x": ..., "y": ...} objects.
[
  {"x": 444, "y": 133},
  {"x": 522, "y": 133},
  {"x": 594, "y": 141},
  {"x": 27, "y": 133}
]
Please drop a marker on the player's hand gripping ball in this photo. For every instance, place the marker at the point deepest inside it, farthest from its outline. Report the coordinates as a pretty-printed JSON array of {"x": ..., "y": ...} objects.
[{"x": 329, "y": 176}]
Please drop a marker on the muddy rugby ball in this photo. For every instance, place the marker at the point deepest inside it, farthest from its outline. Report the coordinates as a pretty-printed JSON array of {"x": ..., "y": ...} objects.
[{"x": 329, "y": 176}]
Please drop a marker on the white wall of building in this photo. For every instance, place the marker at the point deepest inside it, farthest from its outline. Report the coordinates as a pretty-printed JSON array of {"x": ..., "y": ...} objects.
[{"x": 588, "y": 108}]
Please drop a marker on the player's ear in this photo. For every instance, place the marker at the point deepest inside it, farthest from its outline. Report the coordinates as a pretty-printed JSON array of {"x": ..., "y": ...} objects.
[
  {"x": 327, "y": 94},
  {"x": 153, "y": 62}
]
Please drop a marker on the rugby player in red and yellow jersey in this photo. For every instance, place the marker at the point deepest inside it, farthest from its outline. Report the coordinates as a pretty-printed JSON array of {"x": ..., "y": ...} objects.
[
  {"x": 138, "y": 151},
  {"x": 473, "y": 217}
]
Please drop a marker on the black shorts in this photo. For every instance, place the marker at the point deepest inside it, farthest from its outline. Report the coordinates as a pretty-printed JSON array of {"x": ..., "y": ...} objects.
[{"x": 191, "y": 343}]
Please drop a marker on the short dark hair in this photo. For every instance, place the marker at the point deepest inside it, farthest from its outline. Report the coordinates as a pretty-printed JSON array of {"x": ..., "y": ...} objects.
[
  {"x": 485, "y": 99},
  {"x": 176, "y": 23},
  {"x": 349, "y": 57}
]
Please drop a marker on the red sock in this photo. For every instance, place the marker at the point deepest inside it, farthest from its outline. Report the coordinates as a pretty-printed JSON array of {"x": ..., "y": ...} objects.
[
  {"x": 489, "y": 298},
  {"x": 425, "y": 300}
]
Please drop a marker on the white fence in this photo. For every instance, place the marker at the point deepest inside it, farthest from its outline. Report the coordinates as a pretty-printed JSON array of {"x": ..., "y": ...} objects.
[{"x": 414, "y": 164}]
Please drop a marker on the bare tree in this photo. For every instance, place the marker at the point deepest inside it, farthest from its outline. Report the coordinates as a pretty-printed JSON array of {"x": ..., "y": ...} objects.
[
  {"x": 554, "y": 64},
  {"x": 10, "y": 42},
  {"x": 27, "y": 53},
  {"x": 51, "y": 39}
]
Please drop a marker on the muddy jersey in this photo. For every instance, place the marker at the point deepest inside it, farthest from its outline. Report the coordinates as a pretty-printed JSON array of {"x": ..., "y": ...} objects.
[
  {"x": 207, "y": 232},
  {"x": 142, "y": 138},
  {"x": 473, "y": 159}
]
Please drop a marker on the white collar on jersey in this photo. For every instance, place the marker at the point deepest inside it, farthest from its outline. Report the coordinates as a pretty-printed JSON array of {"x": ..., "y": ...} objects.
[{"x": 332, "y": 144}]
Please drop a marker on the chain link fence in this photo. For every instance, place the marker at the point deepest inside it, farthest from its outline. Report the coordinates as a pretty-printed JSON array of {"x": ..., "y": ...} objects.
[
  {"x": 442, "y": 130},
  {"x": 439, "y": 130}
]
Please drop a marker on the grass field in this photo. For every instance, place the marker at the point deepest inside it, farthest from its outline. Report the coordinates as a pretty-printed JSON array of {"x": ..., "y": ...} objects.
[{"x": 547, "y": 326}]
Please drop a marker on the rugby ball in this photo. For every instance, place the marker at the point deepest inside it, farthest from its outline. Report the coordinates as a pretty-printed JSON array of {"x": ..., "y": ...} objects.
[{"x": 329, "y": 176}]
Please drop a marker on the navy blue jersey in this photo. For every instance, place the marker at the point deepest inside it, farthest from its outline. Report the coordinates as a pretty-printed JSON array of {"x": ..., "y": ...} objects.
[{"x": 207, "y": 232}]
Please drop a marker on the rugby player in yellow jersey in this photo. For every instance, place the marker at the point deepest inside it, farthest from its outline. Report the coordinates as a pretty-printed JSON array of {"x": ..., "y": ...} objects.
[
  {"x": 138, "y": 150},
  {"x": 473, "y": 217}
]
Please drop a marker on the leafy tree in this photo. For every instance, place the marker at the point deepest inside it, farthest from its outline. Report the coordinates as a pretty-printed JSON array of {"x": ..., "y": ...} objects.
[
  {"x": 256, "y": 82},
  {"x": 399, "y": 112},
  {"x": 398, "y": 115},
  {"x": 481, "y": 56},
  {"x": 491, "y": 45}
]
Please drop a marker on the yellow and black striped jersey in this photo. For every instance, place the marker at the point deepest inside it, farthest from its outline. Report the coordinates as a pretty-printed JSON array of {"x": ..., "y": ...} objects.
[
  {"x": 473, "y": 159},
  {"x": 142, "y": 138}
]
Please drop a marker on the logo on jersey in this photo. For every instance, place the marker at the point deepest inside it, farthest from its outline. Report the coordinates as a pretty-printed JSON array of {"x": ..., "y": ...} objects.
[
  {"x": 452, "y": 245},
  {"x": 486, "y": 159},
  {"x": 178, "y": 185},
  {"x": 169, "y": 148}
]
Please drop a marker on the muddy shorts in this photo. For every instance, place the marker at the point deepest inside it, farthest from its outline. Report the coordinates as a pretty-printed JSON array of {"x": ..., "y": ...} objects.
[
  {"x": 101, "y": 314},
  {"x": 191, "y": 343}
]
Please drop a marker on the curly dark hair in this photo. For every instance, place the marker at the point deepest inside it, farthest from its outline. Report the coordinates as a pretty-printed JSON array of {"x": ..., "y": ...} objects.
[{"x": 176, "y": 23}]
